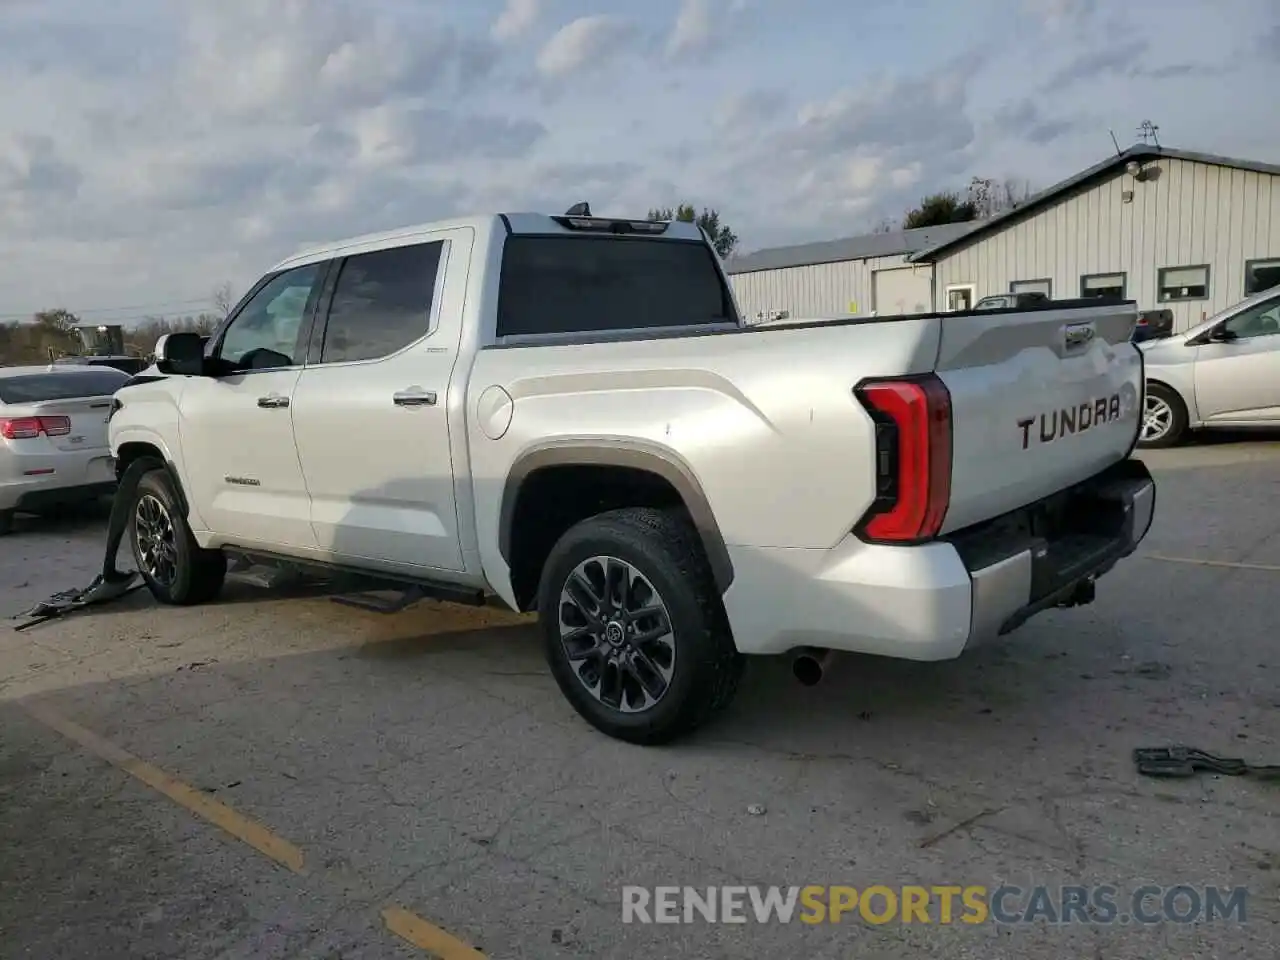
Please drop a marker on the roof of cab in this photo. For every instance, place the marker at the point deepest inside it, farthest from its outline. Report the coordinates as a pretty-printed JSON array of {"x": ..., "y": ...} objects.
[
  {"x": 390, "y": 238},
  {"x": 517, "y": 223},
  {"x": 512, "y": 223}
]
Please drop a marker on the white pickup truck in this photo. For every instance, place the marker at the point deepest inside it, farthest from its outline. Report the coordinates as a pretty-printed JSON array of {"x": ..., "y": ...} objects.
[{"x": 569, "y": 413}]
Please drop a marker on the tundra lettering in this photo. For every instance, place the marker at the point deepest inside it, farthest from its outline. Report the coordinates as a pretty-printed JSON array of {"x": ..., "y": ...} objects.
[{"x": 1061, "y": 423}]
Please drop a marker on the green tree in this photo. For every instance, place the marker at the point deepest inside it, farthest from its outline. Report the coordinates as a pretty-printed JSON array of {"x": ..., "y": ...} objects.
[
  {"x": 48, "y": 334},
  {"x": 722, "y": 238},
  {"x": 939, "y": 208},
  {"x": 57, "y": 319},
  {"x": 984, "y": 198}
]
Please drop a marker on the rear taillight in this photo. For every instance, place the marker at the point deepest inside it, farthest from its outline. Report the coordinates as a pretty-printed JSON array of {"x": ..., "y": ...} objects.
[
  {"x": 25, "y": 428},
  {"x": 913, "y": 458}
]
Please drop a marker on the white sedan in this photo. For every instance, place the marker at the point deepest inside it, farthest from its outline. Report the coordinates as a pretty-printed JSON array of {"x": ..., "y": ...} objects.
[
  {"x": 1224, "y": 373},
  {"x": 53, "y": 437}
]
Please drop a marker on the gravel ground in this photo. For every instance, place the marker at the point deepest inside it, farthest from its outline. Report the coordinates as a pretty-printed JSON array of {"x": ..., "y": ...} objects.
[{"x": 425, "y": 760}]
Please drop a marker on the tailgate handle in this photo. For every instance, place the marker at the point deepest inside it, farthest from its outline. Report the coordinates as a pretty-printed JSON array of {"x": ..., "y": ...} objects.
[{"x": 1076, "y": 335}]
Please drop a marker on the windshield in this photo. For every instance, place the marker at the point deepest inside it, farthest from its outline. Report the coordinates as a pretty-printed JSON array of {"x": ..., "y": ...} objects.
[
  {"x": 39, "y": 387},
  {"x": 1235, "y": 308}
]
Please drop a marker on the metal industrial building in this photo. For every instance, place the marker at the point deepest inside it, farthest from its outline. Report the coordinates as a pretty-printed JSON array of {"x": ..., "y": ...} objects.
[
  {"x": 839, "y": 278},
  {"x": 1191, "y": 232}
]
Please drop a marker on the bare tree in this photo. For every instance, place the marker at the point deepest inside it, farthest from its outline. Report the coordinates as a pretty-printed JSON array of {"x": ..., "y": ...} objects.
[
  {"x": 990, "y": 199},
  {"x": 223, "y": 299}
]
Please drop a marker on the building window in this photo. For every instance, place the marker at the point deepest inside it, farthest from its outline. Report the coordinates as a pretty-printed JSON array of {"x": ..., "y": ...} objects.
[
  {"x": 1261, "y": 275},
  {"x": 1032, "y": 286},
  {"x": 1183, "y": 283},
  {"x": 960, "y": 296},
  {"x": 1102, "y": 285}
]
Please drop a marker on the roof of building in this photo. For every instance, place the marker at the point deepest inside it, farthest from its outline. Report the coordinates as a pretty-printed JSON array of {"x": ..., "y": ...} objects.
[
  {"x": 1096, "y": 173},
  {"x": 850, "y": 248}
]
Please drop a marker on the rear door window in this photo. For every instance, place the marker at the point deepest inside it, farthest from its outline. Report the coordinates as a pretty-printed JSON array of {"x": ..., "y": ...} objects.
[
  {"x": 40, "y": 387},
  {"x": 382, "y": 302},
  {"x": 554, "y": 284}
]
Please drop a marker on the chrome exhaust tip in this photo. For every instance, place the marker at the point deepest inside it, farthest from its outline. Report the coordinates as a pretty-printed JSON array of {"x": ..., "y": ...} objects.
[{"x": 809, "y": 665}]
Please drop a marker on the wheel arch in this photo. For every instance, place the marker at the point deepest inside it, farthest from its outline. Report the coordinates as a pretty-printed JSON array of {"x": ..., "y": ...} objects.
[
  {"x": 131, "y": 451},
  {"x": 641, "y": 468},
  {"x": 1188, "y": 402}
]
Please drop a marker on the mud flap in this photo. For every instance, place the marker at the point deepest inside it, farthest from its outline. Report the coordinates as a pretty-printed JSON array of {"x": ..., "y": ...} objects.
[{"x": 109, "y": 585}]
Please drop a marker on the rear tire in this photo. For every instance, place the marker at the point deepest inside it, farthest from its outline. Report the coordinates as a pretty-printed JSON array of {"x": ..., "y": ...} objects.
[
  {"x": 1164, "y": 418},
  {"x": 649, "y": 663},
  {"x": 6, "y": 522},
  {"x": 176, "y": 570}
]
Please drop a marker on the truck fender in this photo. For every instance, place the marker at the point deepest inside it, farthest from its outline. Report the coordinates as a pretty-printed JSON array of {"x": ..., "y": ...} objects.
[{"x": 626, "y": 454}]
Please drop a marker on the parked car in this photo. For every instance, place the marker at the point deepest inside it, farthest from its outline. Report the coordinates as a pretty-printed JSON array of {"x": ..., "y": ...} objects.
[
  {"x": 53, "y": 436},
  {"x": 125, "y": 364},
  {"x": 1224, "y": 373},
  {"x": 570, "y": 414}
]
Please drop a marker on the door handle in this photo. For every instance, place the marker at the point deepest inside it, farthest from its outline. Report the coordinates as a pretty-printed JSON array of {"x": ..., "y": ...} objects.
[
  {"x": 273, "y": 402},
  {"x": 414, "y": 397}
]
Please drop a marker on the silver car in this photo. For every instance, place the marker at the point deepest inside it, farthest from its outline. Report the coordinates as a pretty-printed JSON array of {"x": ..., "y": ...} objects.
[
  {"x": 1224, "y": 373},
  {"x": 53, "y": 436}
]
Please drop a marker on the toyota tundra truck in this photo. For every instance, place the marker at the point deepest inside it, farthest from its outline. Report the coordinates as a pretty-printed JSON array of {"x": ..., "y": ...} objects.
[{"x": 568, "y": 414}]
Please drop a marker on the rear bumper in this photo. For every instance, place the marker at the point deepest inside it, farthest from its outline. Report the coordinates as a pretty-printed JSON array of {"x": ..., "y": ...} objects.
[
  {"x": 1019, "y": 570},
  {"x": 75, "y": 477},
  {"x": 934, "y": 601}
]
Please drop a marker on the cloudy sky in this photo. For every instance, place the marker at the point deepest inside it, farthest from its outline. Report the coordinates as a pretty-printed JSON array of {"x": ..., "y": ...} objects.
[{"x": 151, "y": 149}]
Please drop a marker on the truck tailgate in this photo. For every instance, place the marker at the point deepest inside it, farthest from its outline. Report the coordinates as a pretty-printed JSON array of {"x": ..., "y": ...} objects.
[{"x": 1040, "y": 400}]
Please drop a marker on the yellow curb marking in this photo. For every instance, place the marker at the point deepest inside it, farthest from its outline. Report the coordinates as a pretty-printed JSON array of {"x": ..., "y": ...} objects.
[
  {"x": 427, "y": 936},
  {"x": 201, "y": 804}
]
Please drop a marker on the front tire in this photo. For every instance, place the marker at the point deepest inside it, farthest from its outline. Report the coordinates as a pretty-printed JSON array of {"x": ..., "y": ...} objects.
[
  {"x": 176, "y": 570},
  {"x": 6, "y": 522},
  {"x": 633, "y": 630},
  {"x": 1164, "y": 418}
]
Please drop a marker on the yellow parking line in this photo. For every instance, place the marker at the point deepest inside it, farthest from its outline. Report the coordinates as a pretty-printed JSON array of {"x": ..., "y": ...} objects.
[
  {"x": 404, "y": 924},
  {"x": 427, "y": 936},
  {"x": 1232, "y": 564},
  {"x": 201, "y": 804}
]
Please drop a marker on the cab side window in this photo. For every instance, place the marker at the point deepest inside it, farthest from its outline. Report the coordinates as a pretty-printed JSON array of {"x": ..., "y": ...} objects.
[
  {"x": 381, "y": 303},
  {"x": 265, "y": 333},
  {"x": 1262, "y": 320}
]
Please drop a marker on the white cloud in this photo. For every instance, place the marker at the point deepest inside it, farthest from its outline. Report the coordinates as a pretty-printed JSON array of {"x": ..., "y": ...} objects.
[
  {"x": 516, "y": 19},
  {"x": 151, "y": 150},
  {"x": 587, "y": 40},
  {"x": 1054, "y": 15},
  {"x": 693, "y": 29}
]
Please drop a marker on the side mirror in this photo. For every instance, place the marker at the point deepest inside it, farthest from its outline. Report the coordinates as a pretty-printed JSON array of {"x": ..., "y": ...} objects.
[
  {"x": 1222, "y": 335},
  {"x": 180, "y": 354}
]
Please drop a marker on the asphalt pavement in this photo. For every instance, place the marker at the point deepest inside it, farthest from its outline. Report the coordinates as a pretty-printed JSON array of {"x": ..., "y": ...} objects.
[{"x": 278, "y": 776}]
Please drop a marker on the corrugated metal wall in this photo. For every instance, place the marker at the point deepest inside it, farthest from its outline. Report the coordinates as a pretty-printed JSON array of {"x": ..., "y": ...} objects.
[
  {"x": 1190, "y": 214},
  {"x": 821, "y": 290}
]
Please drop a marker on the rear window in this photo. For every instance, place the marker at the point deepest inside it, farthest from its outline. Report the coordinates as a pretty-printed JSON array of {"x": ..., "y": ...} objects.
[
  {"x": 596, "y": 284},
  {"x": 39, "y": 387}
]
